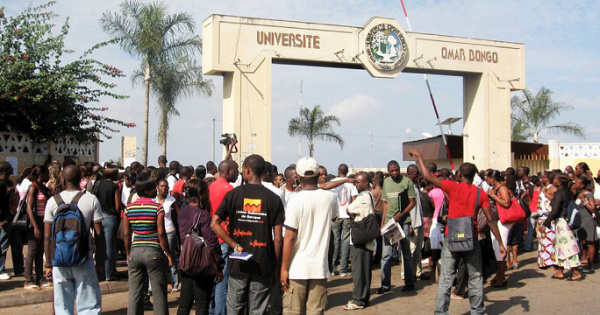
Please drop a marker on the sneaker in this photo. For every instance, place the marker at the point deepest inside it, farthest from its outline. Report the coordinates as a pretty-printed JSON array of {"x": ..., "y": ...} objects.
[
  {"x": 345, "y": 274},
  {"x": 382, "y": 290},
  {"x": 335, "y": 273},
  {"x": 174, "y": 290},
  {"x": 4, "y": 276},
  {"x": 407, "y": 288}
]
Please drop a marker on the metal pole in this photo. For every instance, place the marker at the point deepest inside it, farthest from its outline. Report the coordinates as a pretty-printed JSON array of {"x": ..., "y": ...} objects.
[
  {"x": 299, "y": 113},
  {"x": 431, "y": 96},
  {"x": 213, "y": 139}
]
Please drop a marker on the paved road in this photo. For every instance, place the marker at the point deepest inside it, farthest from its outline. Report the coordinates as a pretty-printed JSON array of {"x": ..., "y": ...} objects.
[{"x": 530, "y": 290}]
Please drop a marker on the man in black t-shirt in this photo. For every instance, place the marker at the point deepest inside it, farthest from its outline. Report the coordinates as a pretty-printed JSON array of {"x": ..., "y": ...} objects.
[
  {"x": 255, "y": 220},
  {"x": 109, "y": 197}
]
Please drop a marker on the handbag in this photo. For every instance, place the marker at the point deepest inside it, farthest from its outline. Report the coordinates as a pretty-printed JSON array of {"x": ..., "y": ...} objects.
[
  {"x": 512, "y": 214},
  {"x": 197, "y": 257},
  {"x": 426, "y": 250},
  {"x": 365, "y": 230},
  {"x": 21, "y": 220},
  {"x": 461, "y": 232}
]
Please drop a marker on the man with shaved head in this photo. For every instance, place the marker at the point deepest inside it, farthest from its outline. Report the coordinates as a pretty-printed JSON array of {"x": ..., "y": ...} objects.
[
  {"x": 78, "y": 283},
  {"x": 228, "y": 173}
]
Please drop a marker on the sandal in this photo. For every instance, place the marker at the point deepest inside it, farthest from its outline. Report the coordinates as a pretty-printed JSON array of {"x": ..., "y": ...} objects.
[
  {"x": 557, "y": 278},
  {"x": 502, "y": 284},
  {"x": 31, "y": 287},
  {"x": 351, "y": 306},
  {"x": 575, "y": 279}
]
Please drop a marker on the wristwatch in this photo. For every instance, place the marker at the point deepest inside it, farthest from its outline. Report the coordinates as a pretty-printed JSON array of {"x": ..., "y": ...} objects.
[{"x": 235, "y": 248}]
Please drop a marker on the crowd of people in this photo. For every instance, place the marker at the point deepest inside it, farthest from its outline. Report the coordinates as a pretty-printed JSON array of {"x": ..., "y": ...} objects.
[{"x": 275, "y": 238}]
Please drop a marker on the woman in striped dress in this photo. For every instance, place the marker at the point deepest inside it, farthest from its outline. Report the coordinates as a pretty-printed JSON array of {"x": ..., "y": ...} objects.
[
  {"x": 148, "y": 254},
  {"x": 37, "y": 196}
]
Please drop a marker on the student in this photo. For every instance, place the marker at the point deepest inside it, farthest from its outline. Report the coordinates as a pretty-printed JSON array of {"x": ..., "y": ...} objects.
[
  {"x": 198, "y": 289},
  {"x": 462, "y": 198},
  {"x": 257, "y": 215},
  {"x": 147, "y": 247}
]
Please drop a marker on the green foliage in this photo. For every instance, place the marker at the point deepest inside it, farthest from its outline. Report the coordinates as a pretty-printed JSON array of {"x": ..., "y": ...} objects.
[
  {"x": 41, "y": 95},
  {"x": 533, "y": 114},
  {"x": 314, "y": 124}
]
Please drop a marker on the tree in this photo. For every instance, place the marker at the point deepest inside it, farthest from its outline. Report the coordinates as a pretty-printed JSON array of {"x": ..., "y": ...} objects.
[
  {"x": 147, "y": 31},
  {"x": 181, "y": 77},
  {"x": 314, "y": 124},
  {"x": 533, "y": 114},
  {"x": 42, "y": 96}
]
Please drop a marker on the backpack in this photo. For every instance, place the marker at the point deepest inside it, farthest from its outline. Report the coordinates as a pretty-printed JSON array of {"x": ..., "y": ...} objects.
[
  {"x": 573, "y": 216},
  {"x": 70, "y": 236}
]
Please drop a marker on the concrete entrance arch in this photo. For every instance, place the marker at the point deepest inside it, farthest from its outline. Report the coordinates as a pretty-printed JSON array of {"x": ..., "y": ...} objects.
[{"x": 243, "y": 49}]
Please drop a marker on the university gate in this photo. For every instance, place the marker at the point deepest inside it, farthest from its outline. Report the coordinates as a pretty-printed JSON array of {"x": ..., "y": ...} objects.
[{"x": 243, "y": 49}]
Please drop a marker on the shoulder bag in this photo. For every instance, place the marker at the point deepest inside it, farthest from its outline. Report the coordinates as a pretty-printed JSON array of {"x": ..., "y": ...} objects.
[
  {"x": 197, "y": 257},
  {"x": 365, "y": 230},
  {"x": 21, "y": 220},
  {"x": 460, "y": 236},
  {"x": 512, "y": 214}
]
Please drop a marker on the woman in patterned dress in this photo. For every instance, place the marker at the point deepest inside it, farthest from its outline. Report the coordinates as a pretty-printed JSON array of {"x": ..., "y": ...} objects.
[
  {"x": 565, "y": 244},
  {"x": 546, "y": 255}
]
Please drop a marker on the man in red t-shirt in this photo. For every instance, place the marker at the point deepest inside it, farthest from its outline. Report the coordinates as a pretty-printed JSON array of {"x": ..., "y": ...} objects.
[
  {"x": 461, "y": 203},
  {"x": 228, "y": 173}
]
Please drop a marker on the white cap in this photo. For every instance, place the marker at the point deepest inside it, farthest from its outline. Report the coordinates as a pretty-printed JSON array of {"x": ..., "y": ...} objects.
[{"x": 307, "y": 165}]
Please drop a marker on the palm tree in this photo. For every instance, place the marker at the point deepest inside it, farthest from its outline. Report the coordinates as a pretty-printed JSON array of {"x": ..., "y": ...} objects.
[
  {"x": 181, "y": 77},
  {"x": 314, "y": 124},
  {"x": 532, "y": 115},
  {"x": 148, "y": 32}
]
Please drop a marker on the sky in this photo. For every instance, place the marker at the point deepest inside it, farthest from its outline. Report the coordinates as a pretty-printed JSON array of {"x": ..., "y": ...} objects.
[{"x": 562, "y": 53}]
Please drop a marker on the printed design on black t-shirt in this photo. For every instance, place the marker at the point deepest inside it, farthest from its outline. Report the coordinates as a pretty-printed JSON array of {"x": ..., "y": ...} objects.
[
  {"x": 252, "y": 211},
  {"x": 252, "y": 205}
]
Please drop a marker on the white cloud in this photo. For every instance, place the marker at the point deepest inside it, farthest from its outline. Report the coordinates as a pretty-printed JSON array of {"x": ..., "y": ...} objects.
[{"x": 356, "y": 109}]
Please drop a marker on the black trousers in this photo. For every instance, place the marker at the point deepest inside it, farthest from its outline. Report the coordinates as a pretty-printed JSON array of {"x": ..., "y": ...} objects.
[
  {"x": 362, "y": 259},
  {"x": 195, "y": 290}
]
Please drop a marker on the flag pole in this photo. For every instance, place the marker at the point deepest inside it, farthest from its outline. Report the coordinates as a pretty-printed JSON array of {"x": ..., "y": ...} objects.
[{"x": 437, "y": 115}]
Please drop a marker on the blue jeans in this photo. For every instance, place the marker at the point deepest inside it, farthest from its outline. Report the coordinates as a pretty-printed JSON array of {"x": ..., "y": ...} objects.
[
  {"x": 531, "y": 222},
  {"x": 341, "y": 239},
  {"x": 174, "y": 247},
  {"x": 407, "y": 263},
  {"x": 448, "y": 266},
  {"x": 219, "y": 306},
  {"x": 111, "y": 227},
  {"x": 77, "y": 283},
  {"x": 248, "y": 291},
  {"x": 4, "y": 242}
]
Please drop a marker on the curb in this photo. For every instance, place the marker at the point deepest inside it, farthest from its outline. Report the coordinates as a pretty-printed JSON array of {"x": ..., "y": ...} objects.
[{"x": 26, "y": 297}]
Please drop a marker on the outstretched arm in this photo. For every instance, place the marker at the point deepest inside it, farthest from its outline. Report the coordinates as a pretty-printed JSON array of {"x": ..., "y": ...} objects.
[{"x": 424, "y": 170}]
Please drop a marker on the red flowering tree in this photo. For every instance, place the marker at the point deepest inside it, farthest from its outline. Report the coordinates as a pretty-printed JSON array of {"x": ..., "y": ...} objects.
[{"x": 41, "y": 95}]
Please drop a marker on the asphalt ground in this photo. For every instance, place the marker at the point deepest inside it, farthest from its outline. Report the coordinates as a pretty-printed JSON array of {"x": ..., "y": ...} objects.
[{"x": 530, "y": 290}]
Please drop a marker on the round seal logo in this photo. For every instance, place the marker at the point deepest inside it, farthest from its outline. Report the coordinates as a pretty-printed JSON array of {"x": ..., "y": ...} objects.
[{"x": 386, "y": 47}]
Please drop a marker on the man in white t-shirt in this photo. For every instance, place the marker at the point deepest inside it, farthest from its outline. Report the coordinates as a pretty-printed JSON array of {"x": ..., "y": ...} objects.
[
  {"x": 78, "y": 283},
  {"x": 308, "y": 220},
  {"x": 345, "y": 194}
]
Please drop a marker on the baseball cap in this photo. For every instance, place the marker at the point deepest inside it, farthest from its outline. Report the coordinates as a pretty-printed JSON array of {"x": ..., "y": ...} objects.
[{"x": 307, "y": 167}]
